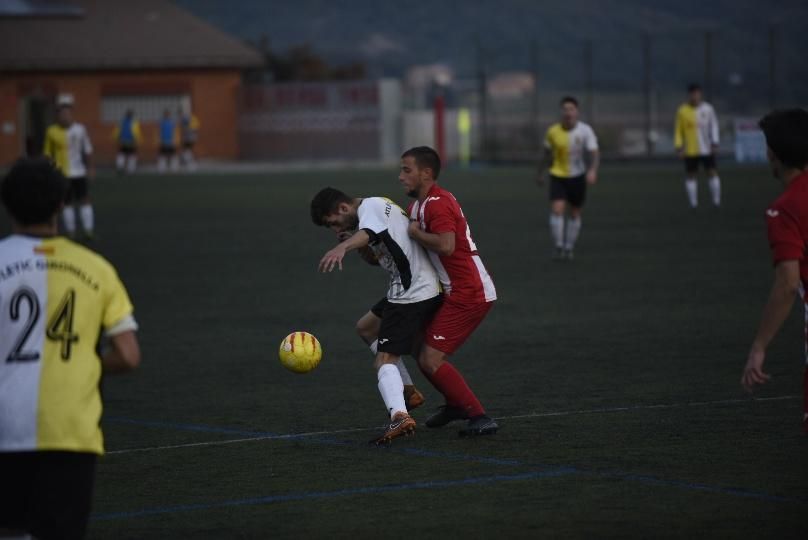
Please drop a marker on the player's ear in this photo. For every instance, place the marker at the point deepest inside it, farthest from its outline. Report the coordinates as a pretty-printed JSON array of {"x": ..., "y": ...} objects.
[{"x": 344, "y": 208}]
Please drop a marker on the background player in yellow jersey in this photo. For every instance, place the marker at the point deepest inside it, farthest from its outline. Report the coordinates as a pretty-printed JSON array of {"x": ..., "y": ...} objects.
[
  {"x": 696, "y": 141},
  {"x": 68, "y": 146},
  {"x": 566, "y": 146},
  {"x": 55, "y": 298}
]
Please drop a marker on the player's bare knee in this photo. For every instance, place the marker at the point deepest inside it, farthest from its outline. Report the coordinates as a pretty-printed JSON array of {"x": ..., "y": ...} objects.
[
  {"x": 430, "y": 360},
  {"x": 367, "y": 327}
]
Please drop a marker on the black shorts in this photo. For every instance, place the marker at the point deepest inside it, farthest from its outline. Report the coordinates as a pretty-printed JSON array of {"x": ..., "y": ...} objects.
[
  {"x": 46, "y": 494},
  {"x": 692, "y": 163},
  {"x": 572, "y": 190},
  {"x": 378, "y": 307},
  {"x": 77, "y": 189},
  {"x": 127, "y": 149},
  {"x": 188, "y": 145},
  {"x": 167, "y": 150},
  {"x": 403, "y": 324}
]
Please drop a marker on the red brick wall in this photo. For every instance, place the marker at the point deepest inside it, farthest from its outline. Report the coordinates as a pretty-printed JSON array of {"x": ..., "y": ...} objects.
[{"x": 214, "y": 97}]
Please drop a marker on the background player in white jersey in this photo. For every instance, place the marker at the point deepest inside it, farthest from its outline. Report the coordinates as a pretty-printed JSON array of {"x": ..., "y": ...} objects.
[
  {"x": 413, "y": 295},
  {"x": 568, "y": 146},
  {"x": 696, "y": 141},
  {"x": 68, "y": 146},
  {"x": 56, "y": 297}
]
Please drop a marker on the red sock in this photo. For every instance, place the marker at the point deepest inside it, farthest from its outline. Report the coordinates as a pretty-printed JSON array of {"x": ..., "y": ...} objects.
[{"x": 451, "y": 384}]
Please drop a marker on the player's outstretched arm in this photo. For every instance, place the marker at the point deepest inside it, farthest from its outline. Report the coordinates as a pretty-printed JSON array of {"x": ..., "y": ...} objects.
[
  {"x": 366, "y": 253},
  {"x": 781, "y": 298},
  {"x": 333, "y": 257},
  {"x": 123, "y": 355}
]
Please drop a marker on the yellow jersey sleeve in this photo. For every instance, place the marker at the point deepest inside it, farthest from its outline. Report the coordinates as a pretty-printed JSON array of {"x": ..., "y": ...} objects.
[
  {"x": 117, "y": 305},
  {"x": 136, "y": 132}
]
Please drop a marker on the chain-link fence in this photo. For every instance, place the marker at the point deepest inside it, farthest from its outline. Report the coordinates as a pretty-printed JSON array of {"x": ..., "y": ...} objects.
[{"x": 629, "y": 89}]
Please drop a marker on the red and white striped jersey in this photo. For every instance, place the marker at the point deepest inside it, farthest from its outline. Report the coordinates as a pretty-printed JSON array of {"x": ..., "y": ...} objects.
[{"x": 462, "y": 274}]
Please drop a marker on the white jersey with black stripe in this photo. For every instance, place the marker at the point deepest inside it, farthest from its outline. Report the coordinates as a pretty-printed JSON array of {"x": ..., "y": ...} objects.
[{"x": 412, "y": 276}]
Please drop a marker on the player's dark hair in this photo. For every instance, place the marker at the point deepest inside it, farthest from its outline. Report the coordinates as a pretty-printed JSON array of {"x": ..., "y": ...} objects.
[
  {"x": 33, "y": 191},
  {"x": 326, "y": 203},
  {"x": 786, "y": 134},
  {"x": 569, "y": 99},
  {"x": 693, "y": 87},
  {"x": 426, "y": 158}
]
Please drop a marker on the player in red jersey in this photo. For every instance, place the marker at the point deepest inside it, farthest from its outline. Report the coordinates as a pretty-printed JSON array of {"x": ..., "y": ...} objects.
[
  {"x": 787, "y": 220},
  {"x": 438, "y": 224}
]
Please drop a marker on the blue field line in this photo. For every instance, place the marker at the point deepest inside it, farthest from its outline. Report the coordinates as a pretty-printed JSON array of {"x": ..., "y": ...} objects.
[
  {"x": 347, "y": 492},
  {"x": 642, "y": 479}
]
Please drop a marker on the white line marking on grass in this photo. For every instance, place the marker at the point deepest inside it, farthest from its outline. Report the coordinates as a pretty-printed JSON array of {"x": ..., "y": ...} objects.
[{"x": 513, "y": 417}]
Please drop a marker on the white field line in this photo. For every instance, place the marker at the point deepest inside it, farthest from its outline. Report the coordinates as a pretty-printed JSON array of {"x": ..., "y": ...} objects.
[{"x": 629, "y": 408}]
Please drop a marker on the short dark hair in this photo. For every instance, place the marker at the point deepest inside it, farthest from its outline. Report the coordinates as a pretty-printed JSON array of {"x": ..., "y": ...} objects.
[
  {"x": 33, "y": 191},
  {"x": 325, "y": 203},
  {"x": 568, "y": 99},
  {"x": 786, "y": 134},
  {"x": 426, "y": 158},
  {"x": 693, "y": 87}
]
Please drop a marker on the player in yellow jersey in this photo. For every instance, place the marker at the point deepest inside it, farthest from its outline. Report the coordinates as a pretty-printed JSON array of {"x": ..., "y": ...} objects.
[
  {"x": 68, "y": 146},
  {"x": 696, "y": 141},
  {"x": 55, "y": 298},
  {"x": 566, "y": 146}
]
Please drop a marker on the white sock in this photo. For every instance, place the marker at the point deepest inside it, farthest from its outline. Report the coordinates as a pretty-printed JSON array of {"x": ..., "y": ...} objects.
[
  {"x": 161, "y": 164},
  {"x": 69, "y": 219},
  {"x": 573, "y": 230},
  {"x": 175, "y": 163},
  {"x": 391, "y": 387},
  {"x": 715, "y": 189},
  {"x": 557, "y": 229},
  {"x": 692, "y": 188},
  {"x": 374, "y": 347},
  {"x": 132, "y": 164},
  {"x": 87, "y": 218},
  {"x": 405, "y": 375},
  {"x": 120, "y": 161}
]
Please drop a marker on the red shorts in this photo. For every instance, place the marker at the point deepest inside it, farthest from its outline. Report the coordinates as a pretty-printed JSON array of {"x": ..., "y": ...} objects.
[{"x": 453, "y": 324}]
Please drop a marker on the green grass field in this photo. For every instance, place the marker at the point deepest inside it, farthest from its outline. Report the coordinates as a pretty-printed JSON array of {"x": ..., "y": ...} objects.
[{"x": 616, "y": 376}]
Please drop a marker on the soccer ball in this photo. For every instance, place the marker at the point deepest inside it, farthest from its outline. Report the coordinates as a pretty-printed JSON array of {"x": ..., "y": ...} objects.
[{"x": 300, "y": 352}]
